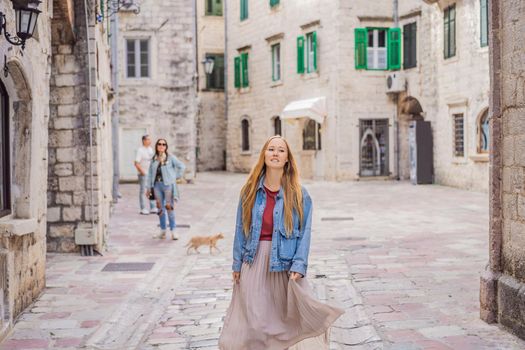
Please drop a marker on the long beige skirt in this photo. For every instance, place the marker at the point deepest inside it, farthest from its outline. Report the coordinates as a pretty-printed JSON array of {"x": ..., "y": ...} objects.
[{"x": 269, "y": 312}]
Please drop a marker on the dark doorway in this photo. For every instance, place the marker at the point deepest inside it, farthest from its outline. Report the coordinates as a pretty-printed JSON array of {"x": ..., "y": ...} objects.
[{"x": 373, "y": 147}]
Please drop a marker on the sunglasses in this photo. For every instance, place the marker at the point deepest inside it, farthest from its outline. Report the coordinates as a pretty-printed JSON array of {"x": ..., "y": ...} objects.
[{"x": 161, "y": 144}]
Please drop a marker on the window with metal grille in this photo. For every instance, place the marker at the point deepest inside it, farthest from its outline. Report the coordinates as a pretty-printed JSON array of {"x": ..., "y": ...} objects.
[
  {"x": 484, "y": 133},
  {"x": 410, "y": 45},
  {"x": 215, "y": 80},
  {"x": 213, "y": 7},
  {"x": 245, "y": 130},
  {"x": 449, "y": 31},
  {"x": 459, "y": 135},
  {"x": 277, "y": 126},
  {"x": 312, "y": 135},
  {"x": 137, "y": 58},
  {"x": 5, "y": 179}
]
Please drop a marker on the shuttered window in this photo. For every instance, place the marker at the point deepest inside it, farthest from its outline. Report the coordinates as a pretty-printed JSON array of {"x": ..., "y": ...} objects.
[
  {"x": 240, "y": 64},
  {"x": 311, "y": 52},
  {"x": 276, "y": 62},
  {"x": 244, "y": 10},
  {"x": 484, "y": 23},
  {"x": 213, "y": 7},
  {"x": 449, "y": 31},
  {"x": 377, "y": 48},
  {"x": 409, "y": 45},
  {"x": 307, "y": 53},
  {"x": 274, "y": 3}
]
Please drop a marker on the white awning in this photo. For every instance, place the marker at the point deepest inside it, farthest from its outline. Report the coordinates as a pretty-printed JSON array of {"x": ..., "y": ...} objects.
[{"x": 313, "y": 108}]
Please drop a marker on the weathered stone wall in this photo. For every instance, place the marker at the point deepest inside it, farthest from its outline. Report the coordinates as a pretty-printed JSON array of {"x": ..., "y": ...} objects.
[
  {"x": 22, "y": 233},
  {"x": 163, "y": 104},
  {"x": 211, "y": 118},
  {"x": 70, "y": 179},
  {"x": 502, "y": 286}
]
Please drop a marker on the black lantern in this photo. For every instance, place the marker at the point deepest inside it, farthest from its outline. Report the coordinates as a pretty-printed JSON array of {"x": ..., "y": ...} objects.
[
  {"x": 208, "y": 63},
  {"x": 26, "y": 16}
]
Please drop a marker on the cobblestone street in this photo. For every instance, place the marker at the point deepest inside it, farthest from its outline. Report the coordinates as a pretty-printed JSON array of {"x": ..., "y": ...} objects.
[{"x": 403, "y": 261}]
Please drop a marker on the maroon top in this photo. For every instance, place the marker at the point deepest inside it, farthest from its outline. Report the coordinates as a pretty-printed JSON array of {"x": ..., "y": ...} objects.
[{"x": 267, "y": 221}]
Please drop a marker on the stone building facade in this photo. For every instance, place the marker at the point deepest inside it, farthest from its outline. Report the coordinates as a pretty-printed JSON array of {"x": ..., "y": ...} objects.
[
  {"x": 339, "y": 115},
  {"x": 211, "y": 117},
  {"x": 80, "y": 164},
  {"x": 502, "y": 285},
  {"x": 23, "y": 154},
  {"x": 157, "y": 94}
]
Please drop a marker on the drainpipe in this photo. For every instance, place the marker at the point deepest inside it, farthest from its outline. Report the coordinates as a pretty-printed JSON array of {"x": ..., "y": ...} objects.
[
  {"x": 115, "y": 109},
  {"x": 91, "y": 206},
  {"x": 396, "y": 99},
  {"x": 226, "y": 62}
]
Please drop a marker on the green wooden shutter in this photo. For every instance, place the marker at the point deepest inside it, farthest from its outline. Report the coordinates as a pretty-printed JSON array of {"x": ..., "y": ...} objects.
[
  {"x": 300, "y": 54},
  {"x": 394, "y": 48},
  {"x": 244, "y": 9},
  {"x": 244, "y": 64},
  {"x": 237, "y": 65},
  {"x": 314, "y": 49},
  {"x": 274, "y": 2},
  {"x": 360, "y": 47}
]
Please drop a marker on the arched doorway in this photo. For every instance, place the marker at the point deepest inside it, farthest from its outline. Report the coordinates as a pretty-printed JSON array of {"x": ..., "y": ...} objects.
[
  {"x": 409, "y": 110},
  {"x": 373, "y": 148}
]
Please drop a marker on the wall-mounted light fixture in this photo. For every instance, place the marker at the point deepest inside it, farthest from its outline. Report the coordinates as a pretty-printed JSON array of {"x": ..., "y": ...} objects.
[
  {"x": 208, "y": 64},
  {"x": 26, "y": 16}
]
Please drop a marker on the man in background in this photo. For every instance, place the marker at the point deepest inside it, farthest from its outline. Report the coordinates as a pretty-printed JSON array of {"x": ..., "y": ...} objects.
[{"x": 142, "y": 162}]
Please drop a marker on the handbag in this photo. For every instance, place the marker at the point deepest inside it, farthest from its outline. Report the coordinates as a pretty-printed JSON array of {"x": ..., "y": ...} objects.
[{"x": 151, "y": 194}]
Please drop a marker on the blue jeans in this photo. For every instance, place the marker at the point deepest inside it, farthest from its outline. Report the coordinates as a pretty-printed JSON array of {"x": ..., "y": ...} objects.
[
  {"x": 165, "y": 203},
  {"x": 142, "y": 194}
]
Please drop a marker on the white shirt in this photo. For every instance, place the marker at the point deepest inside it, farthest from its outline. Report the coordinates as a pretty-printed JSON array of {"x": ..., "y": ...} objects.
[{"x": 144, "y": 155}]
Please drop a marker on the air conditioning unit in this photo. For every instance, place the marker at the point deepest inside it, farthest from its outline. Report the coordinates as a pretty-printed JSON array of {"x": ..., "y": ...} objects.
[
  {"x": 395, "y": 82},
  {"x": 129, "y": 5}
]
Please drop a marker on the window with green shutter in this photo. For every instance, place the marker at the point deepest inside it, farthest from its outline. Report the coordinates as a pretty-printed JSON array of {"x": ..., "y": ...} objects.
[
  {"x": 213, "y": 7},
  {"x": 276, "y": 62},
  {"x": 311, "y": 52},
  {"x": 244, "y": 10},
  {"x": 377, "y": 48},
  {"x": 360, "y": 48},
  {"x": 274, "y": 3},
  {"x": 449, "y": 31},
  {"x": 300, "y": 54},
  {"x": 410, "y": 45},
  {"x": 237, "y": 67},
  {"x": 484, "y": 23},
  {"x": 244, "y": 64}
]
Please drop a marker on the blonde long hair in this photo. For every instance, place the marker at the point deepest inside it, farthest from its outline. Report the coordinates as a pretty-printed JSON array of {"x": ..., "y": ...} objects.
[{"x": 293, "y": 195}]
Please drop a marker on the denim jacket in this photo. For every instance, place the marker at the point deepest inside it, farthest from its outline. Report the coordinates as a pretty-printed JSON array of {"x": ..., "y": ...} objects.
[
  {"x": 288, "y": 253},
  {"x": 173, "y": 170}
]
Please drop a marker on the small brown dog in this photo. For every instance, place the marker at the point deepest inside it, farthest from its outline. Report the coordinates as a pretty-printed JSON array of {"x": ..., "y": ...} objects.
[{"x": 197, "y": 241}]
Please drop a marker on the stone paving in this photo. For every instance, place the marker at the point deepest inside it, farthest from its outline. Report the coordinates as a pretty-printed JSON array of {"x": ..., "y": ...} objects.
[{"x": 404, "y": 261}]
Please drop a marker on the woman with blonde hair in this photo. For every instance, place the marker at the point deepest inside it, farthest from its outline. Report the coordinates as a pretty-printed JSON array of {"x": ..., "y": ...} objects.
[{"x": 272, "y": 306}]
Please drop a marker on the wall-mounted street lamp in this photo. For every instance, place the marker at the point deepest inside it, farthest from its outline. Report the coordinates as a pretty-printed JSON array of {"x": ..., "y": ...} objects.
[
  {"x": 208, "y": 63},
  {"x": 26, "y": 16}
]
